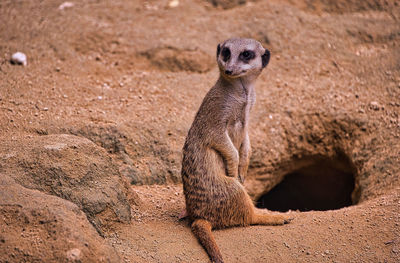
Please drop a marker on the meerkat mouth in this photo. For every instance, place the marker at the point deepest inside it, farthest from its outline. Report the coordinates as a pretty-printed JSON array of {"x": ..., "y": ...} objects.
[{"x": 237, "y": 75}]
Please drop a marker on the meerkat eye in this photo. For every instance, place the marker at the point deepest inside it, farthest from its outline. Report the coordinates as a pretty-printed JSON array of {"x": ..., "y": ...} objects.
[
  {"x": 247, "y": 55},
  {"x": 226, "y": 54}
]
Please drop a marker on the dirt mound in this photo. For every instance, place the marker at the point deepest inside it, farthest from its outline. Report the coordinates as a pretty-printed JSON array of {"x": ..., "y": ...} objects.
[
  {"x": 36, "y": 227},
  {"x": 226, "y": 4},
  {"x": 372, "y": 36},
  {"x": 174, "y": 59},
  {"x": 107, "y": 136},
  {"x": 318, "y": 137},
  {"x": 72, "y": 168},
  {"x": 142, "y": 157},
  {"x": 345, "y": 6},
  {"x": 317, "y": 140}
]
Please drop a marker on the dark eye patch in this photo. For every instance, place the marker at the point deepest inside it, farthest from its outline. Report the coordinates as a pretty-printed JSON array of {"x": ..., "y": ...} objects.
[
  {"x": 226, "y": 54},
  {"x": 247, "y": 55}
]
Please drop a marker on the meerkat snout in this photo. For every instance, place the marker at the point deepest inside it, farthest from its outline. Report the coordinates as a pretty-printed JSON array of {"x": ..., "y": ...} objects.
[
  {"x": 228, "y": 72},
  {"x": 248, "y": 58}
]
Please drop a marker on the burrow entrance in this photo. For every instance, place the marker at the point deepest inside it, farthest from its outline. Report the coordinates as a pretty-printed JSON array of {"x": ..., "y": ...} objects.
[{"x": 325, "y": 184}]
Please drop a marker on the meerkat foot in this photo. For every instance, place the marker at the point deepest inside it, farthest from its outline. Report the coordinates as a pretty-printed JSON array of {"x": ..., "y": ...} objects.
[
  {"x": 270, "y": 219},
  {"x": 202, "y": 230},
  {"x": 288, "y": 220}
]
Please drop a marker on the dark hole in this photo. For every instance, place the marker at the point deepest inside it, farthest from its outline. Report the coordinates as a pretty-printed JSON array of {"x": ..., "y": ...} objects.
[{"x": 323, "y": 185}]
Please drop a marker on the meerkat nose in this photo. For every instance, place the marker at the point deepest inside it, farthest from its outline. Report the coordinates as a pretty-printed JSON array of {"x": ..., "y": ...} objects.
[{"x": 228, "y": 72}]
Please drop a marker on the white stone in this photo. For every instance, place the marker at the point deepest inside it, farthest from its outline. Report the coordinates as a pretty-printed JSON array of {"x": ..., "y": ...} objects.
[
  {"x": 65, "y": 5},
  {"x": 173, "y": 3},
  {"x": 19, "y": 58}
]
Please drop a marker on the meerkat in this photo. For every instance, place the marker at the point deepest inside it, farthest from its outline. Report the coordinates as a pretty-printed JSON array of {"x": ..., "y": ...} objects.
[{"x": 217, "y": 148}]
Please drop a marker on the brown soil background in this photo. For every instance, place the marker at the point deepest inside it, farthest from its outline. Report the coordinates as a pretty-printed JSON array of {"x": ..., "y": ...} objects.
[{"x": 92, "y": 128}]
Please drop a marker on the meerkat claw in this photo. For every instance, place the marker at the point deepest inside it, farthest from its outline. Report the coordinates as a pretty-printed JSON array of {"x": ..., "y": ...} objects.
[{"x": 288, "y": 220}]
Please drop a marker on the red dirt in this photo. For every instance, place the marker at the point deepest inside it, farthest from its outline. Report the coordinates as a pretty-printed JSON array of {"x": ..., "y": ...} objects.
[{"x": 130, "y": 75}]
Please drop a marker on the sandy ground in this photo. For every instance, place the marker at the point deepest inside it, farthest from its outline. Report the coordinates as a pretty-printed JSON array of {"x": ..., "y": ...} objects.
[{"x": 130, "y": 75}]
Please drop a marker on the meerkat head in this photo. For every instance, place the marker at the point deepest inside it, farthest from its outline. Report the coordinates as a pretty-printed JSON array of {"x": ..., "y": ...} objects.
[{"x": 241, "y": 57}]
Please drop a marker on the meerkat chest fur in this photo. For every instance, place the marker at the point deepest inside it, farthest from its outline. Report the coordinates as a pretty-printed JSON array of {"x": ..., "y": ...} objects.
[{"x": 240, "y": 105}]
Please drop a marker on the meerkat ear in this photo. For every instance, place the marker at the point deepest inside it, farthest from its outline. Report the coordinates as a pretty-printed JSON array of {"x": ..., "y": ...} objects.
[
  {"x": 218, "y": 50},
  {"x": 265, "y": 58}
]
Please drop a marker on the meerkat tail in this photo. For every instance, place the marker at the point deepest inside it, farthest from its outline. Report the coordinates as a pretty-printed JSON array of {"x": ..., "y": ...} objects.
[
  {"x": 202, "y": 230},
  {"x": 260, "y": 217}
]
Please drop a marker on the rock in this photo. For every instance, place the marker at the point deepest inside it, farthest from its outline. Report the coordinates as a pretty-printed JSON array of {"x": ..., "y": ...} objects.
[
  {"x": 374, "y": 105},
  {"x": 66, "y": 5},
  {"x": 19, "y": 58},
  {"x": 73, "y": 168},
  {"x": 37, "y": 227},
  {"x": 286, "y": 244}
]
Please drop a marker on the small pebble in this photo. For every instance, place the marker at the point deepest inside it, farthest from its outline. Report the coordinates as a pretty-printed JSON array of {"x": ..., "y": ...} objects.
[
  {"x": 19, "y": 58},
  {"x": 74, "y": 255},
  {"x": 65, "y": 5},
  {"x": 374, "y": 105},
  {"x": 173, "y": 3},
  {"x": 286, "y": 244}
]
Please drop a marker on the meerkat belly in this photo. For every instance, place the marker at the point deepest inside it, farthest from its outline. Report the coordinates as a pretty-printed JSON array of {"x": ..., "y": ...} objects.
[
  {"x": 236, "y": 128},
  {"x": 236, "y": 133}
]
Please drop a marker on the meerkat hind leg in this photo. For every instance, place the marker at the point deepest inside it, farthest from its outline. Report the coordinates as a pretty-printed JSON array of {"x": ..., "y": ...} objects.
[
  {"x": 262, "y": 218},
  {"x": 202, "y": 230}
]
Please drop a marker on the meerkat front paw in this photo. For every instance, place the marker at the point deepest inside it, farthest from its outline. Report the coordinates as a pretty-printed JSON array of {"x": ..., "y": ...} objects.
[{"x": 242, "y": 173}]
